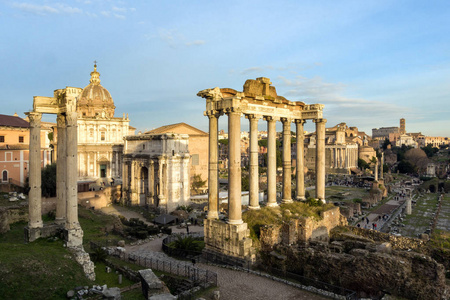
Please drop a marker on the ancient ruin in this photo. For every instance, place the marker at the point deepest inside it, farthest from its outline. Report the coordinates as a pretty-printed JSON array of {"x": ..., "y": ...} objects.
[
  {"x": 258, "y": 100},
  {"x": 64, "y": 105}
]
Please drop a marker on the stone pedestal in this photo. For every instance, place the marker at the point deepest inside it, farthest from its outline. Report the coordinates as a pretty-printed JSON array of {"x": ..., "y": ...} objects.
[
  {"x": 32, "y": 234},
  {"x": 229, "y": 239},
  {"x": 73, "y": 237}
]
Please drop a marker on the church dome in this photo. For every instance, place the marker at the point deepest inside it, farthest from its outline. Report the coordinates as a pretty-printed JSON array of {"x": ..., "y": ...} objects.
[{"x": 95, "y": 101}]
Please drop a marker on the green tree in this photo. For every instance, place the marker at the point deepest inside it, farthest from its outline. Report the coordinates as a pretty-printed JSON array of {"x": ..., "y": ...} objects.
[
  {"x": 405, "y": 167},
  {"x": 386, "y": 143},
  {"x": 48, "y": 181},
  {"x": 224, "y": 142},
  {"x": 430, "y": 150},
  {"x": 362, "y": 164},
  {"x": 197, "y": 183}
]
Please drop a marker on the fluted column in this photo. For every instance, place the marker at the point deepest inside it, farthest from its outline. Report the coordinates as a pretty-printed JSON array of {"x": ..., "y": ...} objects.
[
  {"x": 287, "y": 194},
  {"x": 234, "y": 167},
  {"x": 213, "y": 175},
  {"x": 61, "y": 170},
  {"x": 376, "y": 168},
  {"x": 35, "y": 213},
  {"x": 71, "y": 171},
  {"x": 253, "y": 175},
  {"x": 382, "y": 165},
  {"x": 271, "y": 162},
  {"x": 300, "y": 178},
  {"x": 320, "y": 159}
]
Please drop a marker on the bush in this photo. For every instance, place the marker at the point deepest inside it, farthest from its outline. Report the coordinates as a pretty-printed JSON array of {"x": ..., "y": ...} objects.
[{"x": 166, "y": 230}]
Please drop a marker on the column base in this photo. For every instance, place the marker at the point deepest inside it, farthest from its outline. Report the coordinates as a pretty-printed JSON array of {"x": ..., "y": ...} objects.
[
  {"x": 300, "y": 198},
  {"x": 73, "y": 237},
  {"x": 322, "y": 200},
  {"x": 235, "y": 222},
  {"x": 32, "y": 234},
  {"x": 60, "y": 221},
  {"x": 286, "y": 201},
  {"x": 254, "y": 207},
  {"x": 212, "y": 215},
  {"x": 272, "y": 204}
]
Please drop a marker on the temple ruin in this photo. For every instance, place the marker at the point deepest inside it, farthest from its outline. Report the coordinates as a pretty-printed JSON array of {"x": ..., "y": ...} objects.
[{"x": 258, "y": 100}]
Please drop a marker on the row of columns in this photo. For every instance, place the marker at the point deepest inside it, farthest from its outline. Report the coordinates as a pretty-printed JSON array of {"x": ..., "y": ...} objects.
[
  {"x": 234, "y": 167},
  {"x": 66, "y": 166}
]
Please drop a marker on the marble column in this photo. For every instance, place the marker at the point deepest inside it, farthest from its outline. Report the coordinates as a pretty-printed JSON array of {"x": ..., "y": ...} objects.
[
  {"x": 287, "y": 173},
  {"x": 234, "y": 167},
  {"x": 61, "y": 170},
  {"x": 300, "y": 175},
  {"x": 34, "y": 206},
  {"x": 253, "y": 175},
  {"x": 71, "y": 172},
  {"x": 271, "y": 162},
  {"x": 382, "y": 165},
  {"x": 213, "y": 166},
  {"x": 376, "y": 169},
  {"x": 320, "y": 159}
]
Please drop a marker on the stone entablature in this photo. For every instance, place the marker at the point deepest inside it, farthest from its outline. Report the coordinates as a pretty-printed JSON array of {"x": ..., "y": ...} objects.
[
  {"x": 301, "y": 230},
  {"x": 156, "y": 170}
]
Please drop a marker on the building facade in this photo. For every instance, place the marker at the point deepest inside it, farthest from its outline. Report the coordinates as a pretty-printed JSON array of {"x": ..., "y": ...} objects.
[
  {"x": 14, "y": 149},
  {"x": 156, "y": 171}
]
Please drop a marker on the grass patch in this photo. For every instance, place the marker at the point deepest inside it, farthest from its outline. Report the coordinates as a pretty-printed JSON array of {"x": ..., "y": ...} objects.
[
  {"x": 110, "y": 279},
  {"x": 277, "y": 215},
  {"x": 40, "y": 270}
]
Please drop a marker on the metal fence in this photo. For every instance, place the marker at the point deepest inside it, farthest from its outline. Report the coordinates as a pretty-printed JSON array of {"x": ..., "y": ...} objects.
[{"x": 199, "y": 277}]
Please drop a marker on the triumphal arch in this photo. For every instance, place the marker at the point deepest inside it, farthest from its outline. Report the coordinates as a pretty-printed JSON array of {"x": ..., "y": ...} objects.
[
  {"x": 257, "y": 101},
  {"x": 64, "y": 105}
]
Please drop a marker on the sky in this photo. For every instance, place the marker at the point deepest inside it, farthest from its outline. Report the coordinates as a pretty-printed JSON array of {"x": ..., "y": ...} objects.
[{"x": 369, "y": 62}]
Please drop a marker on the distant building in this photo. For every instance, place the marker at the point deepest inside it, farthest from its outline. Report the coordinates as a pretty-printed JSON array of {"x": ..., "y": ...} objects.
[
  {"x": 14, "y": 148},
  {"x": 341, "y": 152},
  {"x": 384, "y": 132},
  {"x": 423, "y": 141},
  {"x": 156, "y": 170},
  {"x": 198, "y": 147},
  {"x": 98, "y": 130}
]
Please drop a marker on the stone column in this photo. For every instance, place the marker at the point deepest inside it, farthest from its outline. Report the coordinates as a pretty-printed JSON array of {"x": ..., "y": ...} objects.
[
  {"x": 61, "y": 170},
  {"x": 300, "y": 193},
  {"x": 376, "y": 169},
  {"x": 382, "y": 165},
  {"x": 253, "y": 176},
  {"x": 74, "y": 234},
  {"x": 213, "y": 175},
  {"x": 408, "y": 206},
  {"x": 287, "y": 173},
  {"x": 34, "y": 206},
  {"x": 271, "y": 162},
  {"x": 234, "y": 167},
  {"x": 320, "y": 159}
]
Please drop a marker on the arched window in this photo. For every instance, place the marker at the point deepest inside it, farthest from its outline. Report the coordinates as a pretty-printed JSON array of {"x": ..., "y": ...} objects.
[{"x": 5, "y": 176}]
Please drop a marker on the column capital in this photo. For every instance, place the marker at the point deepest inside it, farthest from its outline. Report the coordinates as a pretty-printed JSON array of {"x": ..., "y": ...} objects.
[
  {"x": 61, "y": 121},
  {"x": 299, "y": 121},
  {"x": 35, "y": 119},
  {"x": 213, "y": 113},
  {"x": 252, "y": 116},
  {"x": 285, "y": 120},
  {"x": 71, "y": 118},
  {"x": 320, "y": 121},
  {"x": 233, "y": 110},
  {"x": 270, "y": 118}
]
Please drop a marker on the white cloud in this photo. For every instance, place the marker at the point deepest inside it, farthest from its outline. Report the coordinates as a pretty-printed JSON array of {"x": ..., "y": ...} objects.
[
  {"x": 119, "y": 9},
  {"x": 44, "y": 10},
  {"x": 105, "y": 13},
  {"x": 195, "y": 43},
  {"x": 122, "y": 17},
  {"x": 175, "y": 39}
]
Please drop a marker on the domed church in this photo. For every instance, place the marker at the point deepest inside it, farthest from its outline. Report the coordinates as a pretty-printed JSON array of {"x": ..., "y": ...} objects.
[{"x": 98, "y": 132}]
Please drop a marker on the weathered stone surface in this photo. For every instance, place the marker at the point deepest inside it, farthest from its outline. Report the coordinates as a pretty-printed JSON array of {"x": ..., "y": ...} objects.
[
  {"x": 402, "y": 273},
  {"x": 112, "y": 293},
  {"x": 162, "y": 297},
  {"x": 70, "y": 294},
  {"x": 83, "y": 258}
]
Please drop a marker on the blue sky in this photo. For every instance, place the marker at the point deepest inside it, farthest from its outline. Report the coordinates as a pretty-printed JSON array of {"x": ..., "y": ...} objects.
[{"x": 370, "y": 62}]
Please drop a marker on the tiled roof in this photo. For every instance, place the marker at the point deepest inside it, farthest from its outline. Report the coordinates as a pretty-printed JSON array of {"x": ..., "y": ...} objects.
[
  {"x": 168, "y": 128},
  {"x": 13, "y": 121}
]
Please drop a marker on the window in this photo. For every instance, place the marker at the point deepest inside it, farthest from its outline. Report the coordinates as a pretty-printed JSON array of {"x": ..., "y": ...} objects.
[
  {"x": 102, "y": 135},
  {"x": 2, "y": 138},
  {"x": 195, "y": 160},
  {"x": 21, "y": 139},
  {"x": 5, "y": 176}
]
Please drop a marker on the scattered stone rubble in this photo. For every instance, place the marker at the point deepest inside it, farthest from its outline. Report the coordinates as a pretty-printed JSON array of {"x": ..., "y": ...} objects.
[{"x": 83, "y": 292}]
